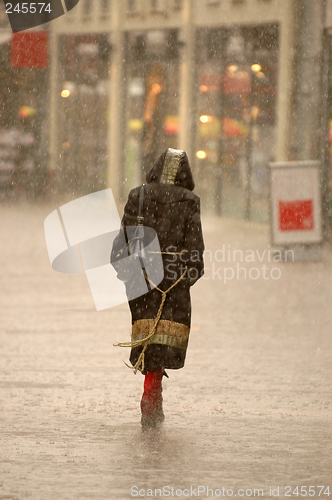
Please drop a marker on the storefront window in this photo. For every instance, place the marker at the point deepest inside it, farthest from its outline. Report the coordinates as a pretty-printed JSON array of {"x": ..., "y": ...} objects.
[
  {"x": 24, "y": 112},
  {"x": 236, "y": 124},
  {"x": 152, "y": 102},
  {"x": 83, "y": 111}
]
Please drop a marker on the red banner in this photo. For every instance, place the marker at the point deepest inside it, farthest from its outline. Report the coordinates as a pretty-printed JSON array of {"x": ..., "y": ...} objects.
[{"x": 29, "y": 50}]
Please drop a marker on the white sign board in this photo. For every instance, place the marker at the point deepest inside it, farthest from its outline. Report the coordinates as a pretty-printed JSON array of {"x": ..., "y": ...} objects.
[{"x": 295, "y": 203}]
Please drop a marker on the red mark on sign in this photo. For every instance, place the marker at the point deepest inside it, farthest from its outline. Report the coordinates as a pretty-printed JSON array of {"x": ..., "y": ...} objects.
[{"x": 296, "y": 215}]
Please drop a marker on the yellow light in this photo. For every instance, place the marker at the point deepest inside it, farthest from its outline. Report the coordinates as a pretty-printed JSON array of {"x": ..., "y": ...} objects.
[
  {"x": 203, "y": 88},
  {"x": 26, "y": 111},
  {"x": 206, "y": 118},
  {"x": 256, "y": 68},
  {"x": 201, "y": 155},
  {"x": 232, "y": 68},
  {"x": 65, "y": 93},
  {"x": 260, "y": 74},
  {"x": 156, "y": 88},
  {"x": 135, "y": 124}
]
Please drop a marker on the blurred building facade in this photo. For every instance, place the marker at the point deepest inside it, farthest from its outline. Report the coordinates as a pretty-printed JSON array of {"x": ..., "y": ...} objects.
[
  {"x": 229, "y": 81},
  {"x": 24, "y": 110}
]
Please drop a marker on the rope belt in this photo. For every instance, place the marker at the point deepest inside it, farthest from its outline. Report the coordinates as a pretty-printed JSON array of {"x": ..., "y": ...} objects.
[{"x": 144, "y": 341}]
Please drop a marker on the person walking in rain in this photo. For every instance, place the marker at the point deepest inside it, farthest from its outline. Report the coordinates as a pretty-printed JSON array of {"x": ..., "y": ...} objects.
[{"x": 163, "y": 314}]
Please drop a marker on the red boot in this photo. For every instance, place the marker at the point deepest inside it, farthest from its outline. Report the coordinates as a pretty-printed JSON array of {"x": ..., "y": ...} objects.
[{"x": 151, "y": 403}]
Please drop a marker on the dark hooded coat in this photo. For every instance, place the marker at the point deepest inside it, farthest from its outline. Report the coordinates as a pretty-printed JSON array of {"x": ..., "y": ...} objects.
[{"x": 173, "y": 211}]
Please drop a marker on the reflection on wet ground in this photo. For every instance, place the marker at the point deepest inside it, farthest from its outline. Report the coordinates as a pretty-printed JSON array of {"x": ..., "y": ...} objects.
[{"x": 251, "y": 409}]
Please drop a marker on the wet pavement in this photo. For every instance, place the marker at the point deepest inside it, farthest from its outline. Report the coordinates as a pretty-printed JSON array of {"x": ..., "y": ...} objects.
[{"x": 251, "y": 411}]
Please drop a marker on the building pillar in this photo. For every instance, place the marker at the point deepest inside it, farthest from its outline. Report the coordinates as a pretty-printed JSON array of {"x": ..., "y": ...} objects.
[
  {"x": 115, "y": 141},
  {"x": 309, "y": 79},
  {"x": 299, "y": 83},
  {"x": 285, "y": 78},
  {"x": 187, "y": 72}
]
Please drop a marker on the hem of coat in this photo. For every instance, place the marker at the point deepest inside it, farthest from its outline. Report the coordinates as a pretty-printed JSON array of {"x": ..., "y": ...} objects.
[{"x": 159, "y": 357}]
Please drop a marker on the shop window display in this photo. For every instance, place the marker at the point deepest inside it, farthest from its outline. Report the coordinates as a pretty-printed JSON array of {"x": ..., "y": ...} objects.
[
  {"x": 23, "y": 117},
  {"x": 236, "y": 118},
  {"x": 83, "y": 111}
]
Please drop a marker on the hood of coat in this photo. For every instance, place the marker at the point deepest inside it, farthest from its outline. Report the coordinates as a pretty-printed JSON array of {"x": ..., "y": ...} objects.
[{"x": 172, "y": 167}]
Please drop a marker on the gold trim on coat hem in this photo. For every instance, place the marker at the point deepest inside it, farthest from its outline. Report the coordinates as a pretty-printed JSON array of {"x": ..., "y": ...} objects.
[{"x": 168, "y": 332}]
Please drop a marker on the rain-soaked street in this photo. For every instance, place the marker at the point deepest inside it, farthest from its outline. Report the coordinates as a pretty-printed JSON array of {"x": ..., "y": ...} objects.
[{"x": 250, "y": 411}]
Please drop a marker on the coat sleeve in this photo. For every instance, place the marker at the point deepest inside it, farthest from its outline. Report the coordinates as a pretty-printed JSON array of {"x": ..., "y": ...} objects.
[
  {"x": 194, "y": 244},
  {"x": 131, "y": 209},
  {"x": 129, "y": 218}
]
